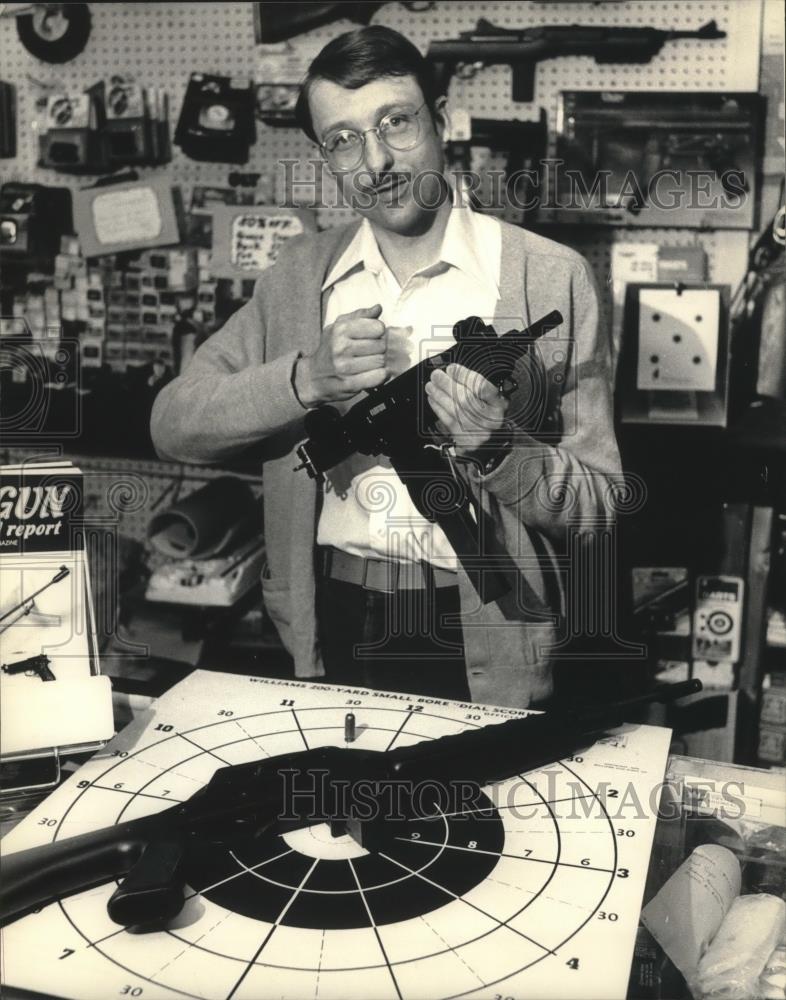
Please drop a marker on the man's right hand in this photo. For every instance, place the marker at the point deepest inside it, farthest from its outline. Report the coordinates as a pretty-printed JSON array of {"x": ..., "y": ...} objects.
[{"x": 350, "y": 358}]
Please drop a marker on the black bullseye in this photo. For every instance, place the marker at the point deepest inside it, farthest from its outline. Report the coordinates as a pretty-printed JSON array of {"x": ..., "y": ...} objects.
[
  {"x": 397, "y": 883},
  {"x": 448, "y": 907}
]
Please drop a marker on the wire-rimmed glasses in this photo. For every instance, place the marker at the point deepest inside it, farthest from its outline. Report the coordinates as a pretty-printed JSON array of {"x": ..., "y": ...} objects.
[{"x": 399, "y": 130}]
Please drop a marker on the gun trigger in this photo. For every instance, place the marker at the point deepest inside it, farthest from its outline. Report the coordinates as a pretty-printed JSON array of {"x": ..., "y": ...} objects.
[
  {"x": 448, "y": 452},
  {"x": 468, "y": 70},
  {"x": 152, "y": 891}
]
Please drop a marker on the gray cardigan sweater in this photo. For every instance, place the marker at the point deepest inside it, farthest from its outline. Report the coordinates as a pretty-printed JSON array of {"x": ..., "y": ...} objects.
[{"x": 237, "y": 391}]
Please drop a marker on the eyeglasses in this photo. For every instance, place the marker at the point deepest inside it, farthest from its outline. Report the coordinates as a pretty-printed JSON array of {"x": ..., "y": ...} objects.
[{"x": 398, "y": 130}]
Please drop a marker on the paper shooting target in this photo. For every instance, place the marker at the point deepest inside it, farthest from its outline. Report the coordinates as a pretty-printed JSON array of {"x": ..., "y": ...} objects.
[{"x": 527, "y": 894}]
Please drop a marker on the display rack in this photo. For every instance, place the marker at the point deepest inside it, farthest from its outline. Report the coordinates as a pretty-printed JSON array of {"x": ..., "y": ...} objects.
[{"x": 161, "y": 44}]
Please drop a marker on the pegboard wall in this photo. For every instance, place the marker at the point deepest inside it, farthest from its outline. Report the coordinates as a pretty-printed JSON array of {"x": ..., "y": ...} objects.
[{"x": 160, "y": 44}]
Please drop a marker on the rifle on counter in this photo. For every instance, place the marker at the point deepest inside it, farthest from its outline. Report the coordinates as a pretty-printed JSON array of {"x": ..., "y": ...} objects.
[
  {"x": 488, "y": 45},
  {"x": 245, "y": 802},
  {"x": 396, "y": 420}
]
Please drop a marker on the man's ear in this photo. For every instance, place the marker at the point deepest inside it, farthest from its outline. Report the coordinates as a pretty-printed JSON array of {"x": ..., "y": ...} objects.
[{"x": 441, "y": 117}]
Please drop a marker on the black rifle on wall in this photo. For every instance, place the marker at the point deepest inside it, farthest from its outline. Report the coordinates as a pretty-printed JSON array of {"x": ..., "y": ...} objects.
[{"x": 522, "y": 50}]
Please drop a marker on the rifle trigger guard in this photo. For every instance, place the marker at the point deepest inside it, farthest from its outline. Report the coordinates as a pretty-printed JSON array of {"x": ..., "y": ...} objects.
[
  {"x": 468, "y": 70},
  {"x": 447, "y": 451}
]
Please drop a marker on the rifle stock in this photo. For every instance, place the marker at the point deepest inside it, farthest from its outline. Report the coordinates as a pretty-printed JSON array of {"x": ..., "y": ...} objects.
[
  {"x": 42, "y": 874},
  {"x": 278, "y": 22}
]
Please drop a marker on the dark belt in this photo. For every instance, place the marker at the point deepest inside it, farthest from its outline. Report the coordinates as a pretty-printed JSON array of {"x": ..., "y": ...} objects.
[{"x": 384, "y": 574}]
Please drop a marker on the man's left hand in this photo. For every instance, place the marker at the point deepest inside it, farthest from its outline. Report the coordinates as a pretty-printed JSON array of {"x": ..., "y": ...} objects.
[{"x": 468, "y": 406}]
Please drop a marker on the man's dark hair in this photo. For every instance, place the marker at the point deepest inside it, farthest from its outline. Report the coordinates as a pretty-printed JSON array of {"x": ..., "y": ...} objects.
[{"x": 359, "y": 57}]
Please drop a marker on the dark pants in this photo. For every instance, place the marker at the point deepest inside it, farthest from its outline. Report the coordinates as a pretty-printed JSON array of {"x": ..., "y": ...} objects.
[{"x": 392, "y": 642}]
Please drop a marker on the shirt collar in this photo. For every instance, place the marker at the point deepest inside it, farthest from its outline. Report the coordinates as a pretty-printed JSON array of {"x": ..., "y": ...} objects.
[
  {"x": 362, "y": 249},
  {"x": 464, "y": 243},
  {"x": 462, "y": 248}
]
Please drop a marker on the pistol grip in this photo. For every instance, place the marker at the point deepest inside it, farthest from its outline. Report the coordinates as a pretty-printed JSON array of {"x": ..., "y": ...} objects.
[
  {"x": 153, "y": 890},
  {"x": 523, "y": 86}
]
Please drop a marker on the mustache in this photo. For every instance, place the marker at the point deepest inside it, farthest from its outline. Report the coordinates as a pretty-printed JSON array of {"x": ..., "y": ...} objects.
[{"x": 370, "y": 182}]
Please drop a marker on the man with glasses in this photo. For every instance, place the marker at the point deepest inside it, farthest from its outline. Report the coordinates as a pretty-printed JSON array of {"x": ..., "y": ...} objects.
[{"x": 359, "y": 584}]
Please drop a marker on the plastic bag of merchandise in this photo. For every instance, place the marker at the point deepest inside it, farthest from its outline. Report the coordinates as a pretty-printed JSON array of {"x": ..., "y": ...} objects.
[
  {"x": 772, "y": 985},
  {"x": 732, "y": 965}
]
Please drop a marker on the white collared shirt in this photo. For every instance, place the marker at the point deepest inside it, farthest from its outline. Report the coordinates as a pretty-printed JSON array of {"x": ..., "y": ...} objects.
[{"x": 367, "y": 510}]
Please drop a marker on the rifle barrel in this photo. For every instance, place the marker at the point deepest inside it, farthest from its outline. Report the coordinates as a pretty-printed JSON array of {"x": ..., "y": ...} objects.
[
  {"x": 61, "y": 574},
  {"x": 500, "y": 751}
]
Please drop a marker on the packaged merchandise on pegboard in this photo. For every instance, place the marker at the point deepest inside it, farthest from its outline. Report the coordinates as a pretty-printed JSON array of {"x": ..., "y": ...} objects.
[{"x": 129, "y": 49}]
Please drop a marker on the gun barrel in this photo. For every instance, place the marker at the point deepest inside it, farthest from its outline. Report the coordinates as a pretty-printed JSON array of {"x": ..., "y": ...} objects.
[
  {"x": 538, "y": 329},
  {"x": 500, "y": 751},
  {"x": 491, "y": 753},
  {"x": 708, "y": 30},
  {"x": 61, "y": 574}
]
